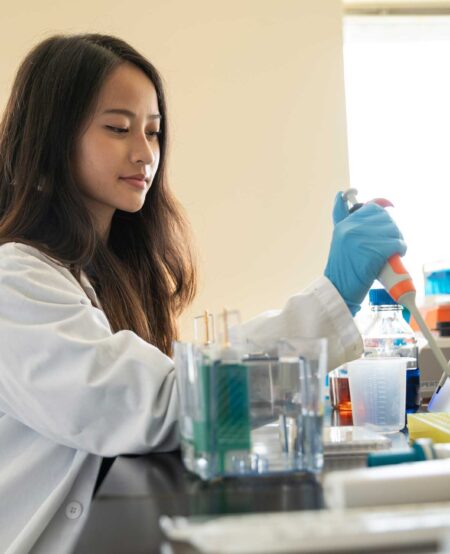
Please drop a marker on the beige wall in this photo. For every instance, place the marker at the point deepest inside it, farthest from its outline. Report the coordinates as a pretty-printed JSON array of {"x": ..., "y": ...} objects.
[{"x": 255, "y": 92}]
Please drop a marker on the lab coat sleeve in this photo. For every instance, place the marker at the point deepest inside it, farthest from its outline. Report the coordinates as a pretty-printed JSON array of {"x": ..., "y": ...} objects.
[
  {"x": 319, "y": 311},
  {"x": 66, "y": 375}
]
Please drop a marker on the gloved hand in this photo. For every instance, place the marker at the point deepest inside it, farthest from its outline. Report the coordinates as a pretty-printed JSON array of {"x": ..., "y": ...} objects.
[{"x": 361, "y": 245}]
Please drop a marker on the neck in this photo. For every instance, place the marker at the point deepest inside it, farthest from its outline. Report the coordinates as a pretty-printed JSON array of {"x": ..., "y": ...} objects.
[
  {"x": 102, "y": 218},
  {"x": 103, "y": 228}
]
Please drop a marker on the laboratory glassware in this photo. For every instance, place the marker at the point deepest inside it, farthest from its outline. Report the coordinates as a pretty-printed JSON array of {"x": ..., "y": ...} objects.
[
  {"x": 378, "y": 392},
  {"x": 245, "y": 413}
]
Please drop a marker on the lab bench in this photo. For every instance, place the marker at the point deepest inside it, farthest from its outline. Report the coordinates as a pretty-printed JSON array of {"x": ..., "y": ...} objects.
[
  {"x": 124, "y": 516},
  {"x": 137, "y": 491}
]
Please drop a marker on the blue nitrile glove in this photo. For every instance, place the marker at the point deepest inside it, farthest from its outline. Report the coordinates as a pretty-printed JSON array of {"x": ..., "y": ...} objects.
[{"x": 361, "y": 245}]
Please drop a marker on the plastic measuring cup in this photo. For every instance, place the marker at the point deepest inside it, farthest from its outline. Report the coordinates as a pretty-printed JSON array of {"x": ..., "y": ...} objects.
[{"x": 378, "y": 392}]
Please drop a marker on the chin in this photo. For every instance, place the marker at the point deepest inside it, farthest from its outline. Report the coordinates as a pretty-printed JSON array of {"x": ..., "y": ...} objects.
[{"x": 131, "y": 207}]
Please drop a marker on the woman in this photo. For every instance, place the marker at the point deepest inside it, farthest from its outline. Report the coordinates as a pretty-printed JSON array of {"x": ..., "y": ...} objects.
[{"x": 95, "y": 266}]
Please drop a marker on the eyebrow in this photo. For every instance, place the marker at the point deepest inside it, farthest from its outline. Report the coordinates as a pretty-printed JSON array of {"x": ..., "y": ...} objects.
[{"x": 130, "y": 113}]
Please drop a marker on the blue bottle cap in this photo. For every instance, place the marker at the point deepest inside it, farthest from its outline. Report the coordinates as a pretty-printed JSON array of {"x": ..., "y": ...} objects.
[{"x": 380, "y": 297}]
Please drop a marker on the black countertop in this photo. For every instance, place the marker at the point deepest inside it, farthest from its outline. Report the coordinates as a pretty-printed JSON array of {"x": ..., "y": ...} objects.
[{"x": 124, "y": 515}]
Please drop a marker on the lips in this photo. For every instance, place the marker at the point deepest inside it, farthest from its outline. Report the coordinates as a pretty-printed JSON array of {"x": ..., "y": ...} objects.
[
  {"x": 137, "y": 176},
  {"x": 139, "y": 180}
]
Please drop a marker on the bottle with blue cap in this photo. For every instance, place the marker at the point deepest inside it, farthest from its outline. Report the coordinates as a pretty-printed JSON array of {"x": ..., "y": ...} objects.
[{"x": 389, "y": 334}]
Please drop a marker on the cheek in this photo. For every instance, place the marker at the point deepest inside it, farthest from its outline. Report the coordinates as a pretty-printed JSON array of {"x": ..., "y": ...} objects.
[{"x": 93, "y": 161}]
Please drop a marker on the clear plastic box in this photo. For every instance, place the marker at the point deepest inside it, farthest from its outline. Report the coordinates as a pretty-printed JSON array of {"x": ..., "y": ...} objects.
[{"x": 251, "y": 414}]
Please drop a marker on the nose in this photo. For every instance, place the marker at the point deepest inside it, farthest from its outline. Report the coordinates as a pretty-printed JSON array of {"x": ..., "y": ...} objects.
[{"x": 143, "y": 150}]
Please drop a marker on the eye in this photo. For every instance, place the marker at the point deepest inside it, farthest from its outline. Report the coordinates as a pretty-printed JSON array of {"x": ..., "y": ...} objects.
[
  {"x": 153, "y": 134},
  {"x": 117, "y": 130}
]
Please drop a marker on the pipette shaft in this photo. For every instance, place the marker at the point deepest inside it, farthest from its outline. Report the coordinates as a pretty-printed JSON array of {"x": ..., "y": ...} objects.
[{"x": 431, "y": 342}]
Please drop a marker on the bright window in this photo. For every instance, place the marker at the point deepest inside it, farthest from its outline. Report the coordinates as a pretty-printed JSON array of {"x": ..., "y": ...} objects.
[{"x": 397, "y": 78}]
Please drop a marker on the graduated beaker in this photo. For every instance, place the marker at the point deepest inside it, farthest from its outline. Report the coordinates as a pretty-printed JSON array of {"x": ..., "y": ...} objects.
[{"x": 378, "y": 392}]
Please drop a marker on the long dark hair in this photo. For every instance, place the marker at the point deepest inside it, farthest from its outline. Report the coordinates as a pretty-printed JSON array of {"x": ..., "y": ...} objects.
[{"x": 146, "y": 274}]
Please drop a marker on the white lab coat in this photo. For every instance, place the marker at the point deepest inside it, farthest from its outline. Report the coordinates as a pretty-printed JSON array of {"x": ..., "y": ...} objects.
[{"x": 72, "y": 391}]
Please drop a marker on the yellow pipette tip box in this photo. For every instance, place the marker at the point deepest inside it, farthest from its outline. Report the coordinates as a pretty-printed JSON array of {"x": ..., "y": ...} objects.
[{"x": 434, "y": 426}]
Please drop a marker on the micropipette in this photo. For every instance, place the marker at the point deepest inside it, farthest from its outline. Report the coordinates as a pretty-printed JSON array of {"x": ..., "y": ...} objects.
[{"x": 398, "y": 282}]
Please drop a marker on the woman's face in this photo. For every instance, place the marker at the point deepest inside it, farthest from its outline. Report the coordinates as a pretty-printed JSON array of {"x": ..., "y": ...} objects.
[{"x": 117, "y": 154}]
